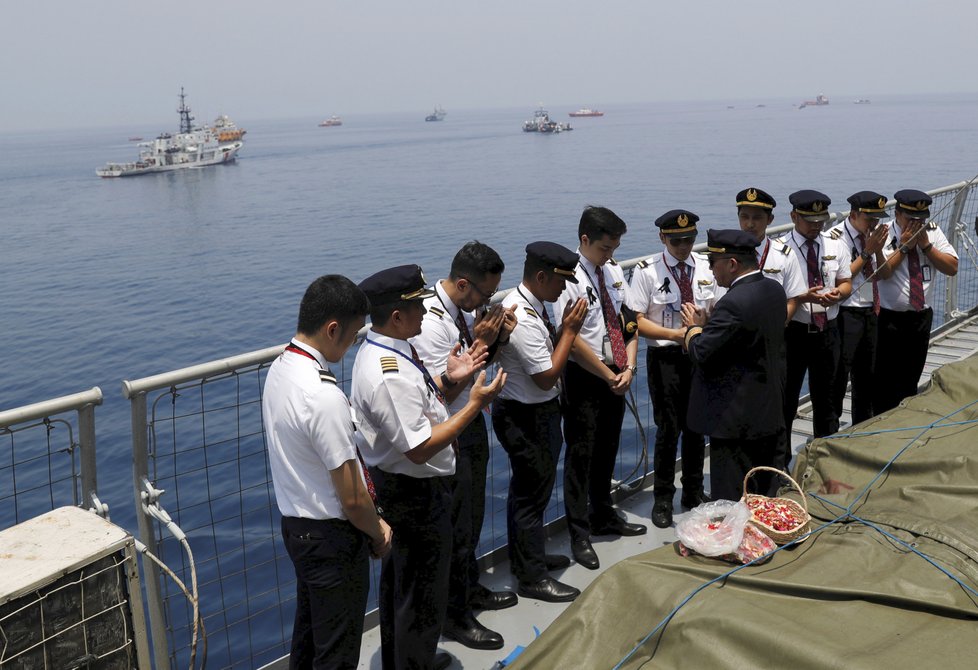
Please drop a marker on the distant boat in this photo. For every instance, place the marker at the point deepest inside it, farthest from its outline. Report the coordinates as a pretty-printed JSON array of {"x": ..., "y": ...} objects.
[
  {"x": 541, "y": 123},
  {"x": 135, "y": 138},
  {"x": 436, "y": 115},
  {"x": 819, "y": 101},
  {"x": 861, "y": 101},
  {"x": 192, "y": 147},
  {"x": 331, "y": 121},
  {"x": 586, "y": 111}
]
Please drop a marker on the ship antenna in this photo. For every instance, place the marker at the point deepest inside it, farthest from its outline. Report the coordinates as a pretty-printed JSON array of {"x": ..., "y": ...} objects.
[{"x": 186, "y": 121}]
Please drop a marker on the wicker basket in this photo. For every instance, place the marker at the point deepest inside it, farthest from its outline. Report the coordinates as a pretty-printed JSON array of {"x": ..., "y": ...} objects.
[{"x": 798, "y": 511}]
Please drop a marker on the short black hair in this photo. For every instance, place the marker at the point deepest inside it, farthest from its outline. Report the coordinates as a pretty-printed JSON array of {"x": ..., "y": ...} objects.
[
  {"x": 597, "y": 222},
  {"x": 475, "y": 261},
  {"x": 330, "y": 298},
  {"x": 532, "y": 265}
]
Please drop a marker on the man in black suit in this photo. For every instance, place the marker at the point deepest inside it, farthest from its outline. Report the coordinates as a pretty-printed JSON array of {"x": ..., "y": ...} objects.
[{"x": 738, "y": 365}]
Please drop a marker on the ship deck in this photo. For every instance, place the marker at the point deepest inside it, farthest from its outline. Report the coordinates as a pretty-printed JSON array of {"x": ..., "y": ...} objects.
[{"x": 954, "y": 342}]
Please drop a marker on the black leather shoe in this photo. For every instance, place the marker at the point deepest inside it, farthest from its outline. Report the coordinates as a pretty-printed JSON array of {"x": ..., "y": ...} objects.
[
  {"x": 556, "y": 562},
  {"x": 584, "y": 554},
  {"x": 443, "y": 660},
  {"x": 619, "y": 527},
  {"x": 548, "y": 589},
  {"x": 694, "y": 499},
  {"x": 472, "y": 634},
  {"x": 483, "y": 599},
  {"x": 662, "y": 513}
]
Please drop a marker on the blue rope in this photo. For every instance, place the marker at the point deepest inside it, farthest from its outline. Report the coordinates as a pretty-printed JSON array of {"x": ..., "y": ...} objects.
[{"x": 846, "y": 514}]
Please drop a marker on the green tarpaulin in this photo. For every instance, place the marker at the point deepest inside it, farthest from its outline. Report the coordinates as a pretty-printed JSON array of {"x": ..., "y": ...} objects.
[{"x": 849, "y": 596}]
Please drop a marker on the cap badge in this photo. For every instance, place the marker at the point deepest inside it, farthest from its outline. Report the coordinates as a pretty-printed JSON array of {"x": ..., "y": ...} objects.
[
  {"x": 751, "y": 195},
  {"x": 682, "y": 220},
  {"x": 882, "y": 203},
  {"x": 817, "y": 206}
]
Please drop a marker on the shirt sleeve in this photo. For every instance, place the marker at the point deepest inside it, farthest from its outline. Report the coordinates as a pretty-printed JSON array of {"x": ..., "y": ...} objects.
[
  {"x": 639, "y": 291},
  {"x": 434, "y": 344},
  {"x": 939, "y": 240},
  {"x": 331, "y": 429},
  {"x": 794, "y": 284},
  {"x": 529, "y": 343},
  {"x": 398, "y": 405}
]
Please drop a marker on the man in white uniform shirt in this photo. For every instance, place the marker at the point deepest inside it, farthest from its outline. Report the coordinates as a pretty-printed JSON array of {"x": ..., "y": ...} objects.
[
  {"x": 755, "y": 212},
  {"x": 602, "y": 367},
  {"x": 410, "y": 457},
  {"x": 864, "y": 238},
  {"x": 526, "y": 416},
  {"x": 329, "y": 522},
  {"x": 450, "y": 323},
  {"x": 660, "y": 286},
  {"x": 812, "y": 335},
  {"x": 916, "y": 251}
]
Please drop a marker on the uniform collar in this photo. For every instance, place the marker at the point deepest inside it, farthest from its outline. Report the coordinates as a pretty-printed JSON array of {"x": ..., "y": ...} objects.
[
  {"x": 588, "y": 266},
  {"x": 312, "y": 352},
  {"x": 530, "y": 298},
  {"x": 673, "y": 262},
  {"x": 401, "y": 345},
  {"x": 453, "y": 309}
]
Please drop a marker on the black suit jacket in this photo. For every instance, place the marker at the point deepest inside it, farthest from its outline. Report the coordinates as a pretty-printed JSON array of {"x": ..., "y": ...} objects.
[{"x": 738, "y": 363}]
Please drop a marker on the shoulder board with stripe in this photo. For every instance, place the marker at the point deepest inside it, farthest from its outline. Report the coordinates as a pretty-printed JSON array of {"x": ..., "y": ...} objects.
[
  {"x": 388, "y": 364},
  {"x": 531, "y": 312},
  {"x": 932, "y": 225},
  {"x": 437, "y": 311},
  {"x": 642, "y": 264},
  {"x": 612, "y": 261},
  {"x": 785, "y": 249},
  {"x": 327, "y": 376},
  {"x": 835, "y": 233},
  {"x": 703, "y": 282}
]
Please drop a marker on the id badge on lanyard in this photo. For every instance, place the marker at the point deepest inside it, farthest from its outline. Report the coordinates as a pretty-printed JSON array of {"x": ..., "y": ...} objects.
[{"x": 606, "y": 352}]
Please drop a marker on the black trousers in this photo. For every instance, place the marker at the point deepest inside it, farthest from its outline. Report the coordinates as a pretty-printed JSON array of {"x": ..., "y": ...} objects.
[
  {"x": 732, "y": 458},
  {"x": 817, "y": 353},
  {"x": 857, "y": 360},
  {"x": 670, "y": 372},
  {"x": 530, "y": 435},
  {"x": 414, "y": 575},
  {"x": 468, "y": 509},
  {"x": 331, "y": 559},
  {"x": 900, "y": 356},
  {"x": 592, "y": 428}
]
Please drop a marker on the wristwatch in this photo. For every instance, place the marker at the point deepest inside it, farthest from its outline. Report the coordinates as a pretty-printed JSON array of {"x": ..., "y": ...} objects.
[
  {"x": 445, "y": 381},
  {"x": 634, "y": 369},
  {"x": 904, "y": 249},
  {"x": 865, "y": 256},
  {"x": 930, "y": 245}
]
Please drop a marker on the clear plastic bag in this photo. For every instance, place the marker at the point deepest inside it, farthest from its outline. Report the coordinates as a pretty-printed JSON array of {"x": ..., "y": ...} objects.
[{"x": 715, "y": 528}]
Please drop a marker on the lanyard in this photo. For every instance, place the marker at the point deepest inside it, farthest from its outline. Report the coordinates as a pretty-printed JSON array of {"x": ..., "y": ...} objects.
[
  {"x": 429, "y": 382},
  {"x": 767, "y": 247}
]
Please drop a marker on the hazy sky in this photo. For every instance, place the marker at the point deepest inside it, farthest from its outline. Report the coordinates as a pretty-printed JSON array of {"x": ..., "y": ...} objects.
[{"x": 69, "y": 63}]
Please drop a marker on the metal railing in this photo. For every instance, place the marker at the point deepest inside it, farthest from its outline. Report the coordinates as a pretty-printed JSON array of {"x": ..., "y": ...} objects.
[{"x": 47, "y": 457}]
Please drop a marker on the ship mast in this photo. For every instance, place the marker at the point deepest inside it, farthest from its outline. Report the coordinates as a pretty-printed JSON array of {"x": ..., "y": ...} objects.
[{"x": 186, "y": 121}]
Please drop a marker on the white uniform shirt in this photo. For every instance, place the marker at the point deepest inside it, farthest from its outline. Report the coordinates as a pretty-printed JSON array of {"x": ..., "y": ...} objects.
[
  {"x": 833, "y": 263},
  {"x": 439, "y": 334},
  {"x": 862, "y": 289},
  {"x": 654, "y": 291},
  {"x": 781, "y": 265},
  {"x": 895, "y": 291},
  {"x": 593, "y": 329},
  {"x": 397, "y": 408},
  {"x": 309, "y": 427},
  {"x": 528, "y": 352}
]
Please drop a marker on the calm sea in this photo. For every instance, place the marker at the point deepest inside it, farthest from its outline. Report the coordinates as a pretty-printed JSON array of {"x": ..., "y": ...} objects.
[{"x": 112, "y": 279}]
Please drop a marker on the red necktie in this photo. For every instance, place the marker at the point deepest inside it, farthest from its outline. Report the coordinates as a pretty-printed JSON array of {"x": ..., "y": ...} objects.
[
  {"x": 685, "y": 284},
  {"x": 814, "y": 280},
  {"x": 612, "y": 325},
  {"x": 463, "y": 329},
  {"x": 916, "y": 280},
  {"x": 868, "y": 272}
]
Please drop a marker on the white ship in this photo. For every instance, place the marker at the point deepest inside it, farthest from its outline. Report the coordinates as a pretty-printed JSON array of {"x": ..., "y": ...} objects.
[{"x": 190, "y": 148}]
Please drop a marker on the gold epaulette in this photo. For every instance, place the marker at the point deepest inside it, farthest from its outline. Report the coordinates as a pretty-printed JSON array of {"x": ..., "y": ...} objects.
[
  {"x": 437, "y": 311},
  {"x": 327, "y": 376},
  {"x": 703, "y": 282},
  {"x": 785, "y": 249},
  {"x": 612, "y": 261},
  {"x": 531, "y": 312},
  {"x": 642, "y": 265},
  {"x": 932, "y": 225},
  {"x": 835, "y": 233},
  {"x": 388, "y": 364}
]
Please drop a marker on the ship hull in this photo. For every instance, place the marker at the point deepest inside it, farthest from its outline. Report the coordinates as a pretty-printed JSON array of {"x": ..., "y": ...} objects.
[{"x": 225, "y": 153}]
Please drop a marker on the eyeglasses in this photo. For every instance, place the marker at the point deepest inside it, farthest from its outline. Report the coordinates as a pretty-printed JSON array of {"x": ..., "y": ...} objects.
[{"x": 485, "y": 296}]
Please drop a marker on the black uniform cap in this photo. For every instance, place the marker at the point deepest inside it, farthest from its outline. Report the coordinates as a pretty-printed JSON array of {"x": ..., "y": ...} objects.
[
  {"x": 755, "y": 197},
  {"x": 913, "y": 203},
  {"x": 811, "y": 205},
  {"x": 868, "y": 202},
  {"x": 404, "y": 282},
  {"x": 677, "y": 223},
  {"x": 557, "y": 258},
  {"x": 735, "y": 242}
]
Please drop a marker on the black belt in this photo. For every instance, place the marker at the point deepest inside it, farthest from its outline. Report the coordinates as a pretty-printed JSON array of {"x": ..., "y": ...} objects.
[{"x": 856, "y": 309}]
